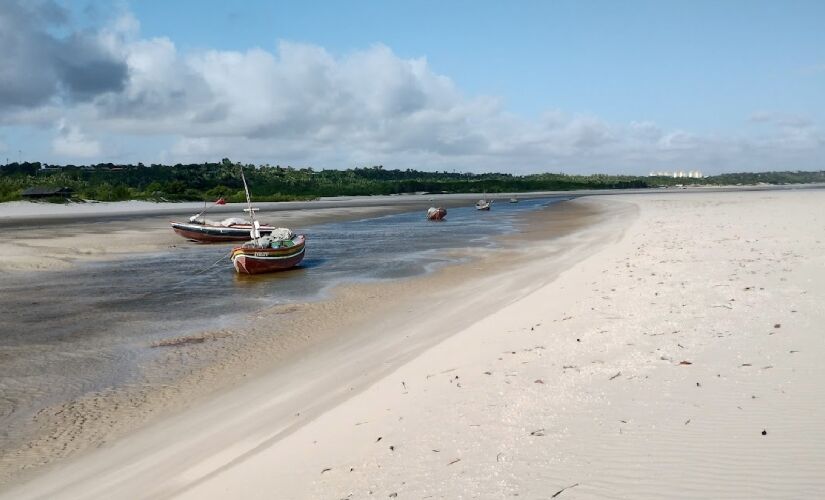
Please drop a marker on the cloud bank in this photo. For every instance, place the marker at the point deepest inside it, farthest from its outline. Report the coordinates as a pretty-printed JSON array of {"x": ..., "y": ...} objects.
[{"x": 110, "y": 94}]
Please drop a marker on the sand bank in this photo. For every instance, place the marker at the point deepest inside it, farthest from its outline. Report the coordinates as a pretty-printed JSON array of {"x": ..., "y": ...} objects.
[{"x": 669, "y": 354}]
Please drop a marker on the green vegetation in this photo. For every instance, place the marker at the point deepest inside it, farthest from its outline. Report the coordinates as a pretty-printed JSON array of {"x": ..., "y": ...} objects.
[{"x": 209, "y": 181}]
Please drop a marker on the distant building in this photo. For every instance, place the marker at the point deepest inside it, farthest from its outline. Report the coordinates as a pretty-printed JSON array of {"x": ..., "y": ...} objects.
[
  {"x": 678, "y": 174},
  {"x": 46, "y": 192}
]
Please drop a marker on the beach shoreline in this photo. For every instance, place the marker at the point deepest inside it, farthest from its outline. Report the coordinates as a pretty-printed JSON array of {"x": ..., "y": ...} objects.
[
  {"x": 666, "y": 348},
  {"x": 228, "y": 356}
]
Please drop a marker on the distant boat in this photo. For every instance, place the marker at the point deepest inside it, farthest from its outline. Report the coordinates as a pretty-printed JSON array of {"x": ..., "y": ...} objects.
[
  {"x": 436, "y": 213},
  {"x": 513, "y": 200},
  {"x": 483, "y": 204},
  {"x": 281, "y": 249}
]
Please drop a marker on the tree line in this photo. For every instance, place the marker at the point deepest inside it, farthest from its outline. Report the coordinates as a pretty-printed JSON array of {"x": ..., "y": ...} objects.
[{"x": 209, "y": 181}]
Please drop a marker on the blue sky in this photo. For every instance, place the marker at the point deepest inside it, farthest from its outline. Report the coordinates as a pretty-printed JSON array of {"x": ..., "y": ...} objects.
[{"x": 519, "y": 86}]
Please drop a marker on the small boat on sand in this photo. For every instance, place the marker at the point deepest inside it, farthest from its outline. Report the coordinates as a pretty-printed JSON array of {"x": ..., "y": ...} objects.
[
  {"x": 204, "y": 230},
  {"x": 483, "y": 204},
  {"x": 436, "y": 213},
  {"x": 281, "y": 249},
  {"x": 513, "y": 200}
]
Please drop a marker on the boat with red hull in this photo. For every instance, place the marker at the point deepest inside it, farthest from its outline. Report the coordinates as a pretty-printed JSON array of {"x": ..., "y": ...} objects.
[
  {"x": 280, "y": 250},
  {"x": 268, "y": 254},
  {"x": 436, "y": 213},
  {"x": 206, "y": 231}
]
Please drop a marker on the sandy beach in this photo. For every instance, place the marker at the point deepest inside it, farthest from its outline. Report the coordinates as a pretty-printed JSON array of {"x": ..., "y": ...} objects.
[{"x": 659, "y": 345}]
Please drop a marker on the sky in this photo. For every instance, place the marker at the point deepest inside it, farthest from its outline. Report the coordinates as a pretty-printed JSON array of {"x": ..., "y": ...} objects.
[{"x": 522, "y": 87}]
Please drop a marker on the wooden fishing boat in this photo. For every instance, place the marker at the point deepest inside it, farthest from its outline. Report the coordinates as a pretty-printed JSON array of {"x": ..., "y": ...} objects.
[
  {"x": 204, "y": 230},
  {"x": 436, "y": 213},
  {"x": 276, "y": 252},
  {"x": 280, "y": 250},
  {"x": 207, "y": 231}
]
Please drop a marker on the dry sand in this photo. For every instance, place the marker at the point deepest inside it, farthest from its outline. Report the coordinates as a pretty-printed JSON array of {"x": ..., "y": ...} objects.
[{"x": 672, "y": 350}]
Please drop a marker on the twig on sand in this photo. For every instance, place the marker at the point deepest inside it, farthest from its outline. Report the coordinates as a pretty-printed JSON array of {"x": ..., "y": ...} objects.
[
  {"x": 537, "y": 432},
  {"x": 326, "y": 470},
  {"x": 454, "y": 461},
  {"x": 562, "y": 490},
  {"x": 615, "y": 376},
  {"x": 179, "y": 341},
  {"x": 724, "y": 305}
]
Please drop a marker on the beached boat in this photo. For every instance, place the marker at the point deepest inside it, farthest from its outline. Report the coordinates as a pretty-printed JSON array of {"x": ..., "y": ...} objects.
[
  {"x": 203, "y": 230},
  {"x": 483, "y": 204},
  {"x": 514, "y": 200},
  {"x": 281, "y": 249},
  {"x": 436, "y": 213}
]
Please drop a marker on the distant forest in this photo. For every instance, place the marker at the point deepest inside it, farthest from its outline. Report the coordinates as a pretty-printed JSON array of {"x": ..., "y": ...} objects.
[{"x": 209, "y": 181}]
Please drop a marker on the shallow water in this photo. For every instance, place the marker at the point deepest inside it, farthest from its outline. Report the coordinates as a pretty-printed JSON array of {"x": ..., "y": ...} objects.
[{"x": 67, "y": 333}]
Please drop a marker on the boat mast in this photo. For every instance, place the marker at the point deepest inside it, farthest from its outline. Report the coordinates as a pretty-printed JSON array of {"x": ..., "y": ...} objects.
[{"x": 255, "y": 232}]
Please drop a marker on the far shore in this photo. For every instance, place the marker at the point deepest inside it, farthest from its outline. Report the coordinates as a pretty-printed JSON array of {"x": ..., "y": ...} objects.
[{"x": 28, "y": 213}]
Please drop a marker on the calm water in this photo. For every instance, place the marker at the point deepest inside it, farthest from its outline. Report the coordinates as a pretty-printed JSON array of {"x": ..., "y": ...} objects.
[{"x": 65, "y": 333}]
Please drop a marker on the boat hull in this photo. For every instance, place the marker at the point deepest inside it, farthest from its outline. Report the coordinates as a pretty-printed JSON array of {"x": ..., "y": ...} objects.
[
  {"x": 212, "y": 234},
  {"x": 436, "y": 213},
  {"x": 268, "y": 260}
]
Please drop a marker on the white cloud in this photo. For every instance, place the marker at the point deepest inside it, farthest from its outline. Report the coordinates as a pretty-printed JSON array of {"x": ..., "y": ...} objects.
[
  {"x": 72, "y": 143},
  {"x": 788, "y": 120}
]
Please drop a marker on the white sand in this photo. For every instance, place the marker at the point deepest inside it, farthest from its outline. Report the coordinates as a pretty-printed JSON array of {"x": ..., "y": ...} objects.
[{"x": 570, "y": 381}]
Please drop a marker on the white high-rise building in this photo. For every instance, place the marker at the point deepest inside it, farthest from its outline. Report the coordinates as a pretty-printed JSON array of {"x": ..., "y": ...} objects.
[{"x": 678, "y": 174}]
